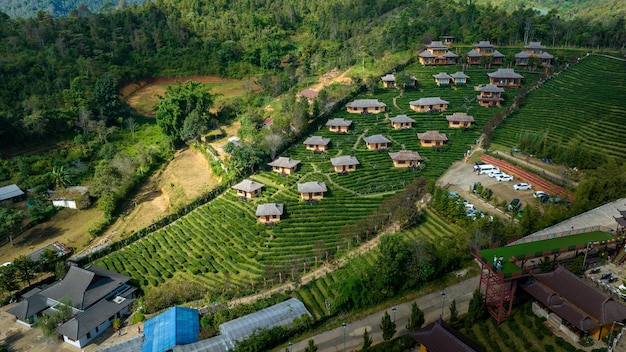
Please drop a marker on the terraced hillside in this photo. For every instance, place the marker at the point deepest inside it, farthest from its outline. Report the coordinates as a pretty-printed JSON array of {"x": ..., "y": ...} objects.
[
  {"x": 221, "y": 246},
  {"x": 575, "y": 117}
]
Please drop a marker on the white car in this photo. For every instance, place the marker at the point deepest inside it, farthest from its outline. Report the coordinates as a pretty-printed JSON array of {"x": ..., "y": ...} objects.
[
  {"x": 495, "y": 174},
  {"x": 504, "y": 177},
  {"x": 539, "y": 194},
  {"x": 522, "y": 186}
]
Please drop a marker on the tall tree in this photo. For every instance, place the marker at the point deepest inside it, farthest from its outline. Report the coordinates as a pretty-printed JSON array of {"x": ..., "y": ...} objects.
[
  {"x": 10, "y": 221},
  {"x": 106, "y": 98},
  {"x": 454, "y": 313},
  {"x": 8, "y": 279},
  {"x": 477, "y": 310},
  {"x": 25, "y": 268},
  {"x": 388, "y": 327},
  {"x": 416, "y": 320},
  {"x": 367, "y": 340},
  {"x": 311, "y": 347}
]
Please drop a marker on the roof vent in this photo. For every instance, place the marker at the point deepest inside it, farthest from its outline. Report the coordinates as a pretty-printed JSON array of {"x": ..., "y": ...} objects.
[{"x": 119, "y": 299}]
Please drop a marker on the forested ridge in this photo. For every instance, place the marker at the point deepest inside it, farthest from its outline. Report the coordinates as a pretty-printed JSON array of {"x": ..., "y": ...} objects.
[{"x": 51, "y": 66}]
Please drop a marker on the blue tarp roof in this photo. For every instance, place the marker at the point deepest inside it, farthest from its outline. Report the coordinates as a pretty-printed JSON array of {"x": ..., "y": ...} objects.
[{"x": 176, "y": 326}]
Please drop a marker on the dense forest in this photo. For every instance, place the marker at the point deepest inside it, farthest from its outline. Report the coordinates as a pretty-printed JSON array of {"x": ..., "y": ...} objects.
[
  {"x": 55, "y": 68},
  {"x": 29, "y": 8}
]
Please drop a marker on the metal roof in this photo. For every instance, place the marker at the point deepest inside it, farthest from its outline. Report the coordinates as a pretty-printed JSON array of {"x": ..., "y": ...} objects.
[
  {"x": 10, "y": 191},
  {"x": 176, "y": 326}
]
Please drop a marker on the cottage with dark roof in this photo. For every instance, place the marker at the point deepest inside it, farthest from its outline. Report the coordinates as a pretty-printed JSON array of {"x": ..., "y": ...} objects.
[
  {"x": 572, "y": 305},
  {"x": 534, "y": 50},
  {"x": 459, "y": 78},
  {"x": 269, "y": 213},
  {"x": 344, "y": 163},
  {"x": 365, "y": 106},
  {"x": 434, "y": 104},
  {"x": 312, "y": 190},
  {"x": 389, "y": 80},
  {"x": 442, "y": 79},
  {"x": 460, "y": 119},
  {"x": 97, "y": 296},
  {"x": 377, "y": 142},
  {"x": 317, "y": 143},
  {"x": 284, "y": 165},
  {"x": 248, "y": 188},
  {"x": 338, "y": 125},
  {"x": 440, "y": 337},
  {"x": 406, "y": 158},
  {"x": 484, "y": 53},
  {"x": 505, "y": 77},
  {"x": 490, "y": 96},
  {"x": 401, "y": 122},
  {"x": 432, "y": 139},
  {"x": 437, "y": 53}
]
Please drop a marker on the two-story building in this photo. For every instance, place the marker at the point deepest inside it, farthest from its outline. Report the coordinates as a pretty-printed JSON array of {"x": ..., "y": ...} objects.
[
  {"x": 484, "y": 53},
  {"x": 505, "y": 77},
  {"x": 490, "y": 96},
  {"x": 437, "y": 53},
  {"x": 534, "y": 50}
]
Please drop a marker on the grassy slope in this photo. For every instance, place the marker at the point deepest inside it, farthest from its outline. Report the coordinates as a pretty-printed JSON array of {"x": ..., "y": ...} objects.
[{"x": 595, "y": 9}]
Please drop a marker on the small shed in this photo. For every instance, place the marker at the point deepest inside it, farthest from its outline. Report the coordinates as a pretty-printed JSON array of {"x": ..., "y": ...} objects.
[
  {"x": 459, "y": 78},
  {"x": 11, "y": 192},
  {"x": 312, "y": 190},
  {"x": 490, "y": 95},
  {"x": 76, "y": 197},
  {"x": 317, "y": 143},
  {"x": 377, "y": 142},
  {"x": 338, "y": 125},
  {"x": 269, "y": 213},
  {"x": 366, "y": 106},
  {"x": 459, "y": 119},
  {"x": 174, "y": 327},
  {"x": 505, "y": 77},
  {"x": 448, "y": 40},
  {"x": 432, "y": 138},
  {"x": 401, "y": 122},
  {"x": 248, "y": 188},
  {"x": 406, "y": 158},
  {"x": 344, "y": 163},
  {"x": 308, "y": 94},
  {"x": 434, "y": 104},
  {"x": 389, "y": 80},
  {"x": 284, "y": 165},
  {"x": 442, "y": 79}
]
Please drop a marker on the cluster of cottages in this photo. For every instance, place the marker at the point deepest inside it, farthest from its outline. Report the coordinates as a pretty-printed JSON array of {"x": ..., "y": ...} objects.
[{"x": 439, "y": 53}]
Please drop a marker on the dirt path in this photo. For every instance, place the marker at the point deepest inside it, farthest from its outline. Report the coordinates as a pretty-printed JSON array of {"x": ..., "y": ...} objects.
[{"x": 334, "y": 76}]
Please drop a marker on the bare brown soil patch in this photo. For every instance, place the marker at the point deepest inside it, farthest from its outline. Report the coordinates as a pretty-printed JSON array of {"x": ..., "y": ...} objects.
[{"x": 334, "y": 76}]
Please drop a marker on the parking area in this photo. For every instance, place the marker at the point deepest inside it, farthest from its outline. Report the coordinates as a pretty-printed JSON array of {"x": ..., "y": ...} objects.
[{"x": 610, "y": 278}]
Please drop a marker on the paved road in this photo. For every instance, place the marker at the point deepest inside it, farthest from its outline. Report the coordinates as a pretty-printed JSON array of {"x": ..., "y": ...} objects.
[{"x": 333, "y": 340}]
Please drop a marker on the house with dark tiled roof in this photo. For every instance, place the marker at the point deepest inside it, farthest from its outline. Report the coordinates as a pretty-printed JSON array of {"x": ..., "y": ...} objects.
[
  {"x": 573, "y": 305},
  {"x": 484, "y": 53},
  {"x": 338, "y": 125},
  {"x": 534, "y": 50},
  {"x": 459, "y": 78},
  {"x": 248, "y": 188},
  {"x": 505, "y": 77},
  {"x": 312, "y": 190},
  {"x": 389, "y": 80},
  {"x": 365, "y": 106},
  {"x": 460, "y": 120},
  {"x": 442, "y": 79},
  {"x": 406, "y": 158},
  {"x": 440, "y": 337},
  {"x": 433, "y": 104},
  {"x": 621, "y": 220},
  {"x": 284, "y": 165},
  {"x": 432, "y": 139},
  {"x": 269, "y": 213},
  {"x": 401, "y": 122},
  {"x": 96, "y": 296},
  {"x": 344, "y": 163},
  {"x": 377, "y": 142},
  {"x": 490, "y": 95},
  {"x": 437, "y": 53},
  {"x": 317, "y": 143}
]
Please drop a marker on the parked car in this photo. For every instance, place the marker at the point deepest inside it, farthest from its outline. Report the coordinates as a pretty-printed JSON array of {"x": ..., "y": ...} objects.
[
  {"x": 514, "y": 205},
  {"x": 546, "y": 160},
  {"x": 453, "y": 194},
  {"x": 539, "y": 194},
  {"x": 504, "y": 177},
  {"x": 522, "y": 186}
]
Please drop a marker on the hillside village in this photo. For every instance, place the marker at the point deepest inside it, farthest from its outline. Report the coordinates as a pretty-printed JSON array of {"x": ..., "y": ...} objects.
[{"x": 401, "y": 185}]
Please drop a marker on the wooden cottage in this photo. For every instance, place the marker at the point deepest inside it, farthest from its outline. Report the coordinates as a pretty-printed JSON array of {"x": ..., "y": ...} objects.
[
  {"x": 269, "y": 213},
  {"x": 365, "y": 106},
  {"x": 440, "y": 337},
  {"x": 459, "y": 78},
  {"x": 248, "y": 188},
  {"x": 434, "y": 104},
  {"x": 308, "y": 94},
  {"x": 401, "y": 122},
  {"x": 406, "y": 158},
  {"x": 437, "y": 53},
  {"x": 505, "y": 77},
  {"x": 484, "y": 53},
  {"x": 344, "y": 163},
  {"x": 317, "y": 143},
  {"x": 312, "y": 190},
  {"x": 377, "y": 142},
  {"x": 459, "y": 119},
  {"x": 284, "y": 165},
  {"x": 490, "y": 96},
  {"x": 442, "y": 79},
  {"x": 432, "y": 139},
  {"x": 339, "y": 125},
  {"x": 389, "y": 80},
  {"x": 534, "y": 50},
  {"x": 448, "y": 40}
]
